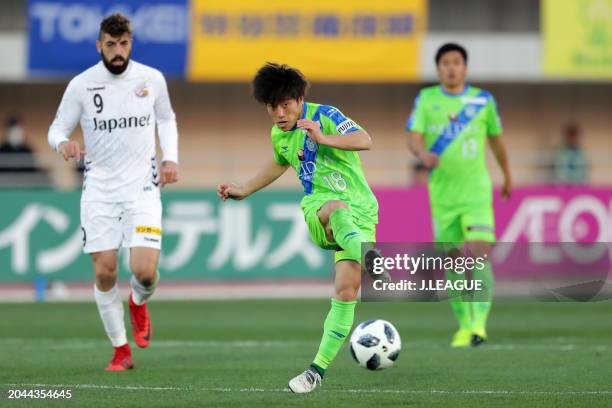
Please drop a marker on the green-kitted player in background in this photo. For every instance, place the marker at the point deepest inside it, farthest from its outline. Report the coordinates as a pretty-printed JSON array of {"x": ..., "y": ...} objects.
[
  {"x": 449, "y": 126},
  {"x": 321, "y": 145}
]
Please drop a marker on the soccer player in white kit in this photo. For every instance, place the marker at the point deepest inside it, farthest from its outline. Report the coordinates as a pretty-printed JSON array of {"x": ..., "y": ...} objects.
[{"x": 118, "y": 103}]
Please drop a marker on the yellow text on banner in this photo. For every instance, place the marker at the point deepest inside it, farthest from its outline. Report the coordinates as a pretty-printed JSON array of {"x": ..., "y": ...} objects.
[{"x": 344, "y": 40}]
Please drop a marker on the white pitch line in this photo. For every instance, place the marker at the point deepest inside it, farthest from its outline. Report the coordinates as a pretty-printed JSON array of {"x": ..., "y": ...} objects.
[
  {"x": 326, "y": 390},
  {"x": 91, "y": 344},
  {"x": 48, "y": 343},
  {"x": 101, "y": 387}
]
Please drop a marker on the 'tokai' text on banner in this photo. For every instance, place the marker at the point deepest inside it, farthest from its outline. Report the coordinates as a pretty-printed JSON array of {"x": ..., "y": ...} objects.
[{"x": 62, "y": 34}]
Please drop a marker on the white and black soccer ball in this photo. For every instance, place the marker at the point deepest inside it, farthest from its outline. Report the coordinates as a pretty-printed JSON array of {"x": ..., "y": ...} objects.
[{"x": 375, "y": 344}]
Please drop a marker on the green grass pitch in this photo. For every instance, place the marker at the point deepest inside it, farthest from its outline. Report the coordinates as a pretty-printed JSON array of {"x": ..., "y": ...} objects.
[{"x": 242, "y": 353}]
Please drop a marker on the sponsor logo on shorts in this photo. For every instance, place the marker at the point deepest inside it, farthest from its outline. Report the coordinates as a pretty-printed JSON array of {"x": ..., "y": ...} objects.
[
  {"x": 141, "y": 229},
  {"x": 149, "y": 239},
  {"x": 486, "y": 228}
]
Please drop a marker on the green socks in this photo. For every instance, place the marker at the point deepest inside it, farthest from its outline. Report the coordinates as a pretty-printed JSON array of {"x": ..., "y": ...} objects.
[
  {"x": 472, "y": 310},
  {"x": 346, "y": 234},
  {"x": 336, "y": 328},
  {"x": 459, "y": 302},
  {"x": 339, "y": 320},
  {"x": 482, "y": 299}
]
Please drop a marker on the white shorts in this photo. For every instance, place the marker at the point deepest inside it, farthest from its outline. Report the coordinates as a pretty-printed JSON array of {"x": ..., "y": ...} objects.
[{"x": 108, "y": 226}]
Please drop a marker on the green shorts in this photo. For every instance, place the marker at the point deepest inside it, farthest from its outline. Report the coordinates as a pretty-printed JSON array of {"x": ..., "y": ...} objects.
[
  {"x": 318, "y": 236},
  {"x": 470, "y": 223}
]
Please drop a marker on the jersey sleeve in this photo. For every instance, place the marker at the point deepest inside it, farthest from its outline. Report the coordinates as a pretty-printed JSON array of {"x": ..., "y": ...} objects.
[
  {"x": 166, "y": 121},
  {"x": 67, "y": 116},
  {"x": 333, "y": 122},
  {"x": 416, "y": 120},
  {"x": 278, "y": 157},
  {"x": 494, "y": 126}
]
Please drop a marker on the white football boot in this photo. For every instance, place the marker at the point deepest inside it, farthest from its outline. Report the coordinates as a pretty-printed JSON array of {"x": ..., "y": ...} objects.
[{"x": 305, "y": 382}]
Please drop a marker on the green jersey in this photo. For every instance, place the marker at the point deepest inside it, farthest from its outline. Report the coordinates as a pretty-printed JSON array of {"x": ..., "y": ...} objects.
[
  {"x": 456, "y": 127},
  {"x": 326, "y": 173}
]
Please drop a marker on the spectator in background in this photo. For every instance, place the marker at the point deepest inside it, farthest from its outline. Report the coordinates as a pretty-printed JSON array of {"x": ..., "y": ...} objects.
[
  {"x": 15, "y": 155},
  {"x": 570, "y": 165}
]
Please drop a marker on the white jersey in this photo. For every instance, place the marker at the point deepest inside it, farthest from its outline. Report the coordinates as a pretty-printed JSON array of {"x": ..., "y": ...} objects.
[{"x": 118, "y": 114}]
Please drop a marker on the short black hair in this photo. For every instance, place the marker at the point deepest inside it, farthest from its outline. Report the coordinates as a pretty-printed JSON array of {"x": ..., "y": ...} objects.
[
  {"x": 115, "y": 25},
  {"x": 448, "y": 47},
  {"x": 275, "y": 83}
]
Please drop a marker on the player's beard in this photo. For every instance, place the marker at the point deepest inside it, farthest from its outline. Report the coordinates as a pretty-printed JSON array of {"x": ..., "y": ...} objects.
[{"x": 116, "y": 69}]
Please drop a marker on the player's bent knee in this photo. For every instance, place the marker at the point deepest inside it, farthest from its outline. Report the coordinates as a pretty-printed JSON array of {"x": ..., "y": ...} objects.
[
  {"x": 145, "y": 273},
  {"x": 106, "y": 278},
  {"x": 346, "y": 294},
  {"x": 328, "y": 209},
  {"x": 144, "y": 269},
  {"x": 334, "y": 205},
  {"x": 147, "y": 281},
  {"x": 105, "y": 267}
]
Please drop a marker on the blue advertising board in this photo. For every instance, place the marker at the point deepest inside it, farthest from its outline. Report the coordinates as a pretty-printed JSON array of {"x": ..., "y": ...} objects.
[{"x": 62, "y": 34}]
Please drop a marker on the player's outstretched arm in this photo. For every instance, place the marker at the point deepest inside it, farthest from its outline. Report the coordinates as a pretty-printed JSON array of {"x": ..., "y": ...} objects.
[
  {"x": 416, "y": 142},
  {"x": 269, "y": 173},
  {"x": 501, "y": 156},
  {"x": 355, "y": 141}
]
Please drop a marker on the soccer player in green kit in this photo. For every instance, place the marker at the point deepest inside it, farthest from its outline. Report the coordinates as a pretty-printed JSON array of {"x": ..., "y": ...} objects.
[
  {"x": 449, "y": 127},
  {"x": 341, "y": 212}
]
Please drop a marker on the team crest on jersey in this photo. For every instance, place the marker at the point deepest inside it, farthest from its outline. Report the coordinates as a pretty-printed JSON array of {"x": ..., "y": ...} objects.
[
  {"x": 470, "y": 111},
  {"x": 310, "y": 144},
  {"x": 300, "y": 155},
  {"x": 142, "y": 91}
]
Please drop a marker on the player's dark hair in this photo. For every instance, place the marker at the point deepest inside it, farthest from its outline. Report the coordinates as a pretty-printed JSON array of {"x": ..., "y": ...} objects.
[
  {"x": 115, "y": 25},
  {"x": 448, "y": 47},
  {"x": 275, "y": 83}
]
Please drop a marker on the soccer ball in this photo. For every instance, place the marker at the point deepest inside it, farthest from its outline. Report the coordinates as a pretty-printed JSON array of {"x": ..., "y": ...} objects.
[{"x": 375, "y": 344}]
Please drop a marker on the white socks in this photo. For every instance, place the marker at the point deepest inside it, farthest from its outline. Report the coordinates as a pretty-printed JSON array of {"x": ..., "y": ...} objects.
[
  {"x": 110, "y": 307},
  {"x": 111, "y": 312},
  {"x": 141, "y": 293}
]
